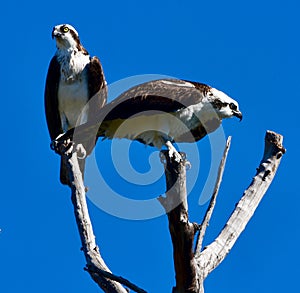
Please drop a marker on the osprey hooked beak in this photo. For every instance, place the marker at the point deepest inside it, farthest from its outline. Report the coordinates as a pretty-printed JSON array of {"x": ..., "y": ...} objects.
[
  {"x": 55, "y": 33},
  {"x": 238, "y": 114}
]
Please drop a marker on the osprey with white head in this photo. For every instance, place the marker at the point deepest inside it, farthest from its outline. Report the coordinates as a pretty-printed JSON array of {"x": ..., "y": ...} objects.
[
  {"x": 75, "y": 88},
  {"x": 161, "y": 112}
]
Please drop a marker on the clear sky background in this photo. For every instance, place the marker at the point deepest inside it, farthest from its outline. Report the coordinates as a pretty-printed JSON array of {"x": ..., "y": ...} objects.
[{"x": 250, "y": 50}]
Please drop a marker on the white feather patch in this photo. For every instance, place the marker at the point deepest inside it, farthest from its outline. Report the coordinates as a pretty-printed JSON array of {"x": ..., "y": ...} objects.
[
  {"x": 179, "y": 83},
  {"x": 73, "y": 89}
]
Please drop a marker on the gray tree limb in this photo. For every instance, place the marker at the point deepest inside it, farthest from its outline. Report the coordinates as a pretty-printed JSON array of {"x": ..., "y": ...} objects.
[
  {"x": 192, "y": 268},
  {"x": 192, "y": 264},
  {"x": 96, "y": 266},
  {"x": 215, "y": 252},
  {"x": 212, "y": 203},
  {"x": 181, "y": 230}
]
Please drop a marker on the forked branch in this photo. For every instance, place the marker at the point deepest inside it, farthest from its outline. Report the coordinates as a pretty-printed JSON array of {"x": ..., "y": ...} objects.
[
  {"x": 192, "y": 268},
  {"x": 191, "y": 265}
]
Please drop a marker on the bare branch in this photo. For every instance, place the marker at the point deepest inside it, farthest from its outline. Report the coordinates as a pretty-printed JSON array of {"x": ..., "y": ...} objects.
[
  {"x": 191, "y": 267},
  {"x": 96, "y": 266},
  {"x": 181, "y": 230},
  {"x": 213, "y": 199},
  {"x": 119, "y": 279},
  {"x": 215, "y": 253}
]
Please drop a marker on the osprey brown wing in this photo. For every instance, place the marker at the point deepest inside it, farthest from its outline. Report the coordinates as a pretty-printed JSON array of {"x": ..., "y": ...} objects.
[
  {"x": 96, "y": 80},
  {"x": 96, "y": 87},
  {"x": 166, "y": 95},
  {"x": 51, "y": 99}
]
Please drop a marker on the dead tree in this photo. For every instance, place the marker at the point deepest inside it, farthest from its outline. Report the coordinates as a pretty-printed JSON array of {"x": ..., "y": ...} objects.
[{"x": 192, "y": 264}]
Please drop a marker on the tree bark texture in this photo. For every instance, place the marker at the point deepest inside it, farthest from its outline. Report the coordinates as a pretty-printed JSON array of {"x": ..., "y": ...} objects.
[
  {"x": 181, "y": 230},
  {"x": 192, "y": 265},
  {"x": 215, "y": 252},
  {"x": 95, "y": 264},
  {"x": 192, "y": 262}
]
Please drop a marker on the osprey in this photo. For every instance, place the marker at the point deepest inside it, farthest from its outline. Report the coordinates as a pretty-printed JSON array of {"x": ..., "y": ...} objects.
[
  {"x": 161, "y": 112},
  {"x": 74, "y": 78}
]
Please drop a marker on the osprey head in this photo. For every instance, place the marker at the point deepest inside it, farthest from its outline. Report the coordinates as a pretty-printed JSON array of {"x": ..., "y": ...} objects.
[
  {"x": 66, "y": 37},
  {"x": 224, "y": 106}
]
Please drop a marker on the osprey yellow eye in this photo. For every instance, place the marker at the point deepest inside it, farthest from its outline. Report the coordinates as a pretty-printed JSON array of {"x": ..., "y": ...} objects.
[{"x": 65, "y": 29}]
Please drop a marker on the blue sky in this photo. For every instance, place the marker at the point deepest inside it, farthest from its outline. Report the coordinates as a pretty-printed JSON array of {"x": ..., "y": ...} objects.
[{"x": 249, "y": 50}]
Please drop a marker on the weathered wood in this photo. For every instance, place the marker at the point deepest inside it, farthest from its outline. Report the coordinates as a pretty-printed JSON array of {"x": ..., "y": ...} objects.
[
  {"x": 215, "y": 252},
  {"x": 212, "y": 203},
  {"x": 192, "y": 268},
  {"x": 96, "y": 266},
  {"x": 181, "y": 230}
]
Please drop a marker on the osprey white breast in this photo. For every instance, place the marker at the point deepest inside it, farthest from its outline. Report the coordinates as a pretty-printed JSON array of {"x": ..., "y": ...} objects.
[
  {"x": 74, "y": 78},
  {"x": 73, "y": 89}
]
